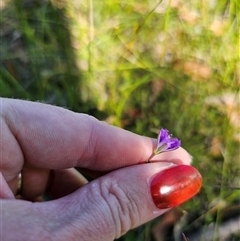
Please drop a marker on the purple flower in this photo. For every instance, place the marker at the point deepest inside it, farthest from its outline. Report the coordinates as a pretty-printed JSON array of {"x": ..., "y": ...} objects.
[{"x": 165, "y": 143}]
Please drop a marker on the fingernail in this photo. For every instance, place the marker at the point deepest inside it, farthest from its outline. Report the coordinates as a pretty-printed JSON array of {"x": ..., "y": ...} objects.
[{"x": 175, "y": 185}]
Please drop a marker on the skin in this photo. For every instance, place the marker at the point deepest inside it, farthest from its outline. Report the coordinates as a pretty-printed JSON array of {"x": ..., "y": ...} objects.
[{"x": 44, "y": 143}]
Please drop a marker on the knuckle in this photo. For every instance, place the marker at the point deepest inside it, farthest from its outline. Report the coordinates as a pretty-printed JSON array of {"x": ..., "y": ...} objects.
[{"x": 123, "y": 208}]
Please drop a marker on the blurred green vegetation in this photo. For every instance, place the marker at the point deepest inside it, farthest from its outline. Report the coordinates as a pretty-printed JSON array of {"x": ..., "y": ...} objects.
[{"x": 140, "y": 65}]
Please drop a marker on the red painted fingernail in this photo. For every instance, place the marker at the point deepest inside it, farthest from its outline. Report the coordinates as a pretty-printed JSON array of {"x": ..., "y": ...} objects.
[{"x": 175, "y": 185}]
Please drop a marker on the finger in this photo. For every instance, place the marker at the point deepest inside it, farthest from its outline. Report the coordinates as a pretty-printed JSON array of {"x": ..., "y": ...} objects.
[
  {"x": 11, "y": 158},
  {"x": 50, "y": 137},
  {"x": 55, "y": 183},
  {"x": 64, "y": 182},
  {"x": 55, "y": 138},
  {"x": 179, "y": 156},
  {"x": 5, "y": 190},
  {"x": 108, "y": 207},
  {"x": 34, "y": 182}
]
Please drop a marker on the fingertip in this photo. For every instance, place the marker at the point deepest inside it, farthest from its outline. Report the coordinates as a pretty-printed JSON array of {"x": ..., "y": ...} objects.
[{"x": 178, "y": 156}]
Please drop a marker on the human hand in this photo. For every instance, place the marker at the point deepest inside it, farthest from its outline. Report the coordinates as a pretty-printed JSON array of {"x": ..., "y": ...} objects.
[{"x": 44, "y": 143}]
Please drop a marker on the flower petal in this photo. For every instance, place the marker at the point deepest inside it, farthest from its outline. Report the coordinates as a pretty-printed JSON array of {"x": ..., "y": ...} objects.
[
  {"x": 173, "y": 144},
  {"x": 163, "y": 134}
]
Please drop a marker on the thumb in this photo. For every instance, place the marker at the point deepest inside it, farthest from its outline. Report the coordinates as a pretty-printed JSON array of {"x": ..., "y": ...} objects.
[{"x": 109, "y": 206}]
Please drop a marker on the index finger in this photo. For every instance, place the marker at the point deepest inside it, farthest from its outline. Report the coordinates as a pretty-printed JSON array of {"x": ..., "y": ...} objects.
[{"x": 55, "y": 138}]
